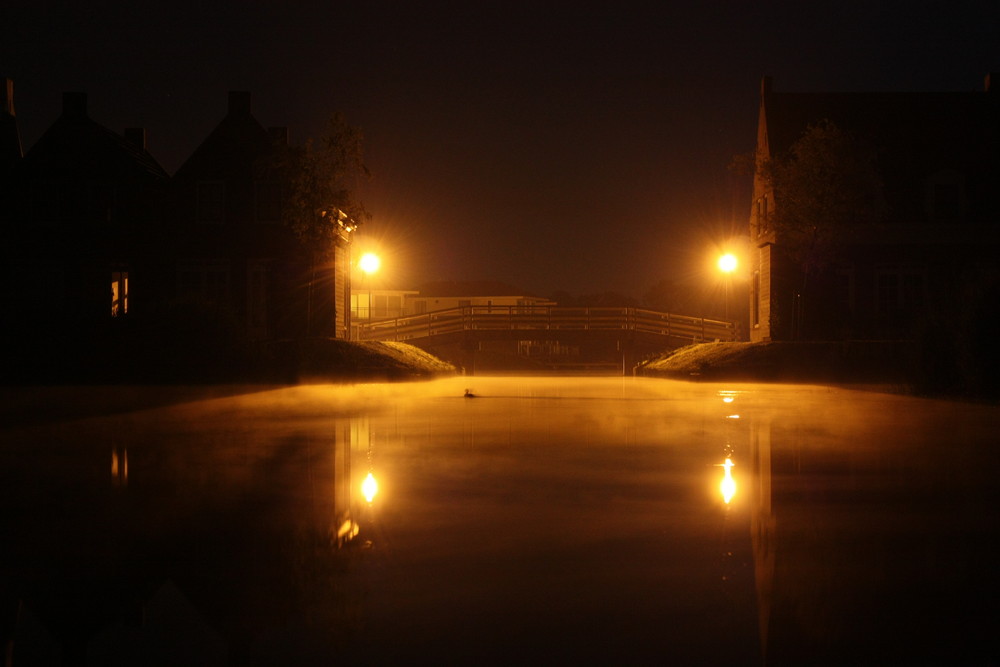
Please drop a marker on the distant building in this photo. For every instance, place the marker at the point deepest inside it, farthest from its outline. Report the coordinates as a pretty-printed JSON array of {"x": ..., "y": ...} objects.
[
  {"x": 939, "y": 158},
  {"x": 445, "y": 295}
]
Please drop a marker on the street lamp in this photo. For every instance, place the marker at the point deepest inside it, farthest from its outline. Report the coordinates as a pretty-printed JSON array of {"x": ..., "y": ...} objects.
[
  {"x": 727, "y": 264},
  {"x": 369, "y": 264}
]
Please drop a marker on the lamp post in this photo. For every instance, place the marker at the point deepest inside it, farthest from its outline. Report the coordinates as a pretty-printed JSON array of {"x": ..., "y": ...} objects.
[
  {"x": 369, "y": 264},
  {"x": 727, "y": 264}
]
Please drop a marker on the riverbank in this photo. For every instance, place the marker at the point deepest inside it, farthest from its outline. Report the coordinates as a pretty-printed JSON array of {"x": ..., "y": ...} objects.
[
  {"x": 884, "y": 364},
  {"x": 285, "y": 364}
]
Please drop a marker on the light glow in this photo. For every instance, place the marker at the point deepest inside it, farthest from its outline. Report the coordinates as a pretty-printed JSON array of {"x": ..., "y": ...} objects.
[
  {"x": 369, "y": 488},
  {"x": 369, "y": 263},
  {"x": 728, "y": 485},
  {"x": 728, "y": 263}
]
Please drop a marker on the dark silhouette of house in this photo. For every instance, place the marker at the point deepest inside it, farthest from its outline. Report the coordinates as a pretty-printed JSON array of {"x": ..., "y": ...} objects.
[
  {"x": 112, "y": 270},
  {"x": 231, "y": 257},
  {"x": 78, "y": 210},
  {"x": 935, "y": 250}
]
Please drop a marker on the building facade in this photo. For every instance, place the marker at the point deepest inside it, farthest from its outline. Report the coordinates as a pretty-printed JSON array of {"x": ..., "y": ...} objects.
[
  {"x": 105, "y": 255},
  {"x": 938, "y": 156}
]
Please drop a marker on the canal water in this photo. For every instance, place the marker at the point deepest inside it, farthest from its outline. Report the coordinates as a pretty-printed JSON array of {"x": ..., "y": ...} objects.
[{"x": 505, "y": 520}]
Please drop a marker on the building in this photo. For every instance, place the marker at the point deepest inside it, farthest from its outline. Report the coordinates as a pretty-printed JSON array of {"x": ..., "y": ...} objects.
[
  {"x": 228, "y": 250},
  {"x": 938, "y": 156},
  {"x": 110, "y": 268},
  {"x": 79, "y": 209}
]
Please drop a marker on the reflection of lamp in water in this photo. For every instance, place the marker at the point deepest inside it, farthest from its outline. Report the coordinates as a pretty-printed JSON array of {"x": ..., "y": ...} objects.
[
  {"x": 369, "y": 487},
  {"x": 728, "y": 484}
]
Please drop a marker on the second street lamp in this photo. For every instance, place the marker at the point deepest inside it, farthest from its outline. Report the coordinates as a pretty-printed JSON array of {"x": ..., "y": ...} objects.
[
  {"x": 369, "y": 264},
  {"x": 727, "y": 264}
]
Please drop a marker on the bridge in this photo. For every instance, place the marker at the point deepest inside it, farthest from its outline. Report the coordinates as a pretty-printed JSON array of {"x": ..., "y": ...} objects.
[{"x": 633, "y": 329}]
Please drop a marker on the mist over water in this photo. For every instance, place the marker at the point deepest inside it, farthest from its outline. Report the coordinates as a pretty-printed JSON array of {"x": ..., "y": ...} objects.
[{"x": 511, "y": 519}]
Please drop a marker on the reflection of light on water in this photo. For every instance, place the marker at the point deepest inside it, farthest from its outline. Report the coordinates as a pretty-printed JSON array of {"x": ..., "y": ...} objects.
[
  {"x": 119, "y": 467},
  {"x": 728, "y": 396},
  {"x": 369, "y": 487},
  {"x": 728, "y": 484},
  {"x": 347, "y": 530}
]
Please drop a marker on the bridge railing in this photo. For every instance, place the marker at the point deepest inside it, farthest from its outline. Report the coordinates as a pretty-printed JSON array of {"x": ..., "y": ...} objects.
[{"x": 553, "y": 318}]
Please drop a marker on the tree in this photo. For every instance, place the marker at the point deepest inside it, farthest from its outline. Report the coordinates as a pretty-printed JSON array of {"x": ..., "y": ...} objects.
[
  {"x": 321, "y": 181},
  {"x": 824, "y": 187}
]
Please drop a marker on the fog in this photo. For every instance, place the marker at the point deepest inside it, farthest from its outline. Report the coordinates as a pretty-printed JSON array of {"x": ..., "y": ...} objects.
[{"x": 515, "y": 519}]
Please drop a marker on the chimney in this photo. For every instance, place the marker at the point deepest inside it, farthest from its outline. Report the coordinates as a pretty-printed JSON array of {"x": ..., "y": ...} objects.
[
  {"x": 7, "y": 102},
  {"x": 279, "y": 135},
  {"x": 136, "y": 136},
  {"x": 74, "y": 105},
  {"x": 239, "y": 103}
]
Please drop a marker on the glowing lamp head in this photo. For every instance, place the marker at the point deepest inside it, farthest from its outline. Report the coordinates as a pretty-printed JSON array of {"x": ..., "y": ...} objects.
[
  {"x": 728, "y": 263},
  {"x": 369, "y": 263}
]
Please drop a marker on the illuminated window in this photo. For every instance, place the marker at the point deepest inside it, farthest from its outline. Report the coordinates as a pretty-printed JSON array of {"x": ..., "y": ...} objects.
[{"x": 119, "y": 293}]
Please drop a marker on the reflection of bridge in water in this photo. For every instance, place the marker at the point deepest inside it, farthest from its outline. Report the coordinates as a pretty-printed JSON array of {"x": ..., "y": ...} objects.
[{"x": 634, "y": 330}]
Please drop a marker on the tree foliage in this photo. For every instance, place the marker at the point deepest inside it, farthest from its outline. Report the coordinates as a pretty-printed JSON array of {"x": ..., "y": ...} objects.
[
  {"x": 824, "y": 187},
  {"x": 321, "y": 184}
]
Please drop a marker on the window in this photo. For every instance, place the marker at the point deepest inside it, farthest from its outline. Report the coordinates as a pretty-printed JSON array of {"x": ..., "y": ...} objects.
[
  {"x": 257, "y": 298},
  {"x": 267, "y": 201},
  {"x": 210, "y": 203},
  {"x": 945, "y": 196},
  {"x": 755, "y": 300},
  {"x": 844, "y": 289},
  {"x": 206, "y": 281},
  {"x": 899, "y": 291},
  {"x": 119, "y": 293},
  {"x": 762, "y": 215}
]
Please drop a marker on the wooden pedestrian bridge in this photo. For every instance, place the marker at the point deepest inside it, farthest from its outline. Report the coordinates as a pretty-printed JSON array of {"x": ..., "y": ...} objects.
[{"x": 471, "y": 324}]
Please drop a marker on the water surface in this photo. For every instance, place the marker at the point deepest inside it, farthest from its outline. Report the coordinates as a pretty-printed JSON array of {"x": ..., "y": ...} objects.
[{"x": 540, "y": 519}]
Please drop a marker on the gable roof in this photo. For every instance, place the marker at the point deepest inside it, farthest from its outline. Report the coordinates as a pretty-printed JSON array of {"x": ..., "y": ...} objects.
[
  {"x": 235, "y": 143},
  {"x": 77, "y": 147}
]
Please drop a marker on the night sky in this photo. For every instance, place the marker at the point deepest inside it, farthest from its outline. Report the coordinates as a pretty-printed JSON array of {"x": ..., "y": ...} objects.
[{"x": 540, "y": 144}]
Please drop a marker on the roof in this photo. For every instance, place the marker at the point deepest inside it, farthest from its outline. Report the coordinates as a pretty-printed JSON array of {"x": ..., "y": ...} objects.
[
  {"x": 235, "y": 143},
  {"x": 79, "y": 147}
]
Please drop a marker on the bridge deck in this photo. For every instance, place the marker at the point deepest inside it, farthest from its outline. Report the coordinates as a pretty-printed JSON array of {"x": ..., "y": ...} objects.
[{"x": 546, "y": 322}]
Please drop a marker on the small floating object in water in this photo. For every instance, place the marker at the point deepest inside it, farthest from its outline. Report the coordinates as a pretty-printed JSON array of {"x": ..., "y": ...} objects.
[{"x": 469, "y": 394}]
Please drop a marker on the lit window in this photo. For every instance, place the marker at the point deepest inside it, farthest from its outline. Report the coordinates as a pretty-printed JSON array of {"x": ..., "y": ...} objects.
[{"x": 119, "y": 293}]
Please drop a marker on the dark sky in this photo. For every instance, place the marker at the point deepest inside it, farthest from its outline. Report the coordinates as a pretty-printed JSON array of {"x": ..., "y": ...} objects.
[{"x": 537, "y": 143}]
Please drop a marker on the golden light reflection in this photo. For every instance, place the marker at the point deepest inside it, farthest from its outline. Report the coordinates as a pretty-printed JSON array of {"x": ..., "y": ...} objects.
[
  {"x": 728, "y": 484},
  {"x": 369, "y": 487},
  {"x": 728, "y": 395},
  {"x": 119, "y": 467}
]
